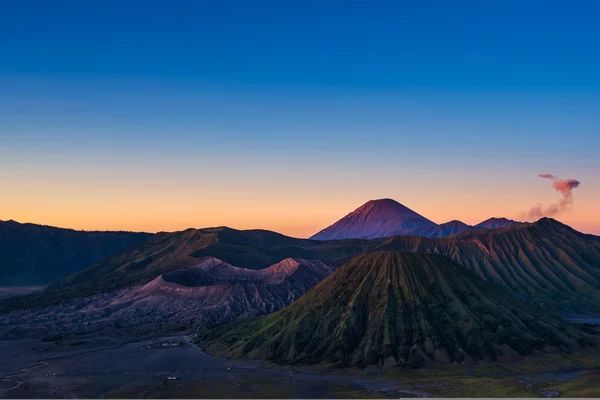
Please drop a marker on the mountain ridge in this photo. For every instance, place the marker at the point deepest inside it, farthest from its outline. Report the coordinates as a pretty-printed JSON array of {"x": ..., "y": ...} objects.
[
  {"x": 386, "y": 217},
  {"x": 546, "y": 262}
]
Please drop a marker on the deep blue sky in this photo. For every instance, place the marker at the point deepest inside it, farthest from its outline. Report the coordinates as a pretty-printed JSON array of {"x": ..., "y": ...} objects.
[
  {"x": 451, "y": 107},
  {"x": 422, "y": 44}
]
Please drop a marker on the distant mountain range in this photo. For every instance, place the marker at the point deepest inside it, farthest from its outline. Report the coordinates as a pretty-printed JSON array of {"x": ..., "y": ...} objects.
[
  {"x": 387, "y": 217},
  {"x": 400, "y": 309},
  {"x": 32, "y": 255},
  {"x": 37, "y": 255},
  {"x": 547, "y": 263}
]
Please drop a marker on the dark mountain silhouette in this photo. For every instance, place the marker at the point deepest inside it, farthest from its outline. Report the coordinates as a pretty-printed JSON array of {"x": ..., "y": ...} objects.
[
  {"x": 407, "y": 309},
  {"x": 37, "y": 254},
  {"x": 375, "y": 218}
]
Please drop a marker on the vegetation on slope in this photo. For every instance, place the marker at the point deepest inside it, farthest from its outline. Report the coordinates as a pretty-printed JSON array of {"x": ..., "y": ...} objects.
[{"x": 391, "y": 308}]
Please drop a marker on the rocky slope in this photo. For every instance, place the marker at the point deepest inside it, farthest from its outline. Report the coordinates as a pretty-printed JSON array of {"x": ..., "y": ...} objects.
[
  {"x": 546, "y": 262},
  {"x": 204, "y": 295},
  {"x": 376, "y": 218},
  {"x": 390, "y": 308},
  {"x": 37, "y": 255}
]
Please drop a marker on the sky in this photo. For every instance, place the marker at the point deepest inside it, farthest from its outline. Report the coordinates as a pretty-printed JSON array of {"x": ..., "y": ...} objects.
[{"x": 159, "y": 116}]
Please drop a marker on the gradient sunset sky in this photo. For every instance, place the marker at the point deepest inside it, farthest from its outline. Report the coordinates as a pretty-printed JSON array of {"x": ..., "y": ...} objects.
[{"x": 287, "y": 115}]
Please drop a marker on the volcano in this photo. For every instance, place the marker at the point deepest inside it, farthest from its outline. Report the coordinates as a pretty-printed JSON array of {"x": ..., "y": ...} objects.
[
  {"x": 400, "y": 309},
  {"x": 376, "y": 218}
]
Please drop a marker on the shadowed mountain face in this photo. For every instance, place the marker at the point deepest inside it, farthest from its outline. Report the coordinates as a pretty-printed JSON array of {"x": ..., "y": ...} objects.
[
  {"x": 390, "y": 308},
  {"x": 37, "y": 255},
  {"x": 546, "y": 262},
  {"x": 376, "y": 218},
  {"x": 204, "y": 295}
]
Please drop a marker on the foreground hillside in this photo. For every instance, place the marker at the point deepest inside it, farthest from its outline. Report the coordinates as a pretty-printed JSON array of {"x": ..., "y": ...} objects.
[
  {"x": 390, "y": 308},
  {"x": 547, "y": 263},
  {"x": 37, "y": 255}
]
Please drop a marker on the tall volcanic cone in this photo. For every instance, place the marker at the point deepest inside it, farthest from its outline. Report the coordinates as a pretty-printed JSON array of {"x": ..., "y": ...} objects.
[
  {"x": 376, "y": 218},
  {"x": 391, "y": 308}
]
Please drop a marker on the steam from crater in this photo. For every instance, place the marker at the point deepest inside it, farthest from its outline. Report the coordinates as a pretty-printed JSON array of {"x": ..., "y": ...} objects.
[{"x": 565, "y": 187}]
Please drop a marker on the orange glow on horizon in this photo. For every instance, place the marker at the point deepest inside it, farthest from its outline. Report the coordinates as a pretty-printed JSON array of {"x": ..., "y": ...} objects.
[{"x": 292, "y": 218}]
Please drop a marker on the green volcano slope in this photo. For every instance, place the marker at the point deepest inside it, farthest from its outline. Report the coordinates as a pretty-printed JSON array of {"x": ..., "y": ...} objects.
[{"x": 391, "y": 308}]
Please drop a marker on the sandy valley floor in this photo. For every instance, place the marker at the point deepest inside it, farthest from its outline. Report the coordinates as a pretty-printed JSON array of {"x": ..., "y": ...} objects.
[{"x": 104, "y": 367}]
